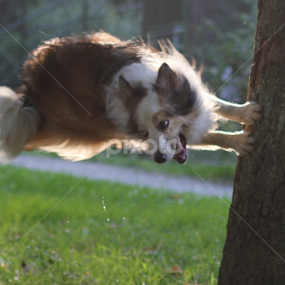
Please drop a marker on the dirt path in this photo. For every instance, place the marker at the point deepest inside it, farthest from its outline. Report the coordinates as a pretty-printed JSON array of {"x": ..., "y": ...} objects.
[{"x": 125, "y": 175}]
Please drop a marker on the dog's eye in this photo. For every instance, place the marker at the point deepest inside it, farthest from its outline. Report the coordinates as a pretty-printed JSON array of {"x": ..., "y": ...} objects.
[
  {"x": 163, "y": 124},
  {"x": 145, "y": 134}
]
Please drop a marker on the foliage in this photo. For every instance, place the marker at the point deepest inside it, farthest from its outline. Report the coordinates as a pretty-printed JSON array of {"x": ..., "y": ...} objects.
[
  {"x": 224, "y": 45},
  {"x": 105, "y": 233},
  {"x": 33, "y": 22}
]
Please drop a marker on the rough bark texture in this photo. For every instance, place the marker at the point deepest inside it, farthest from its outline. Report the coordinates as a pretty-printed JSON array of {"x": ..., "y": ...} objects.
[{"x": 254, "y": 252}]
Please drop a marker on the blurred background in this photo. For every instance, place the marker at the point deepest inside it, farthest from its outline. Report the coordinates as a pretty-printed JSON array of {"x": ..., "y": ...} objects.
[{"x": 218, "y": 35}]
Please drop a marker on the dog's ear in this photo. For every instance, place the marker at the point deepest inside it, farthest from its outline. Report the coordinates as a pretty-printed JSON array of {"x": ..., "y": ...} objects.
[
  {"x": 183, "y": 98},
  {"x": 129, "y": 95},
  {"x": 174, "y": 91},
  {"x": 166, "y": 78},
  {"x": 125, "y": 87}
]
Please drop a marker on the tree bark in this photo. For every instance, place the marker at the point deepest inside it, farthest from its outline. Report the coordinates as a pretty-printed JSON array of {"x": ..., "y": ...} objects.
[{"x": 254, "y": 252}]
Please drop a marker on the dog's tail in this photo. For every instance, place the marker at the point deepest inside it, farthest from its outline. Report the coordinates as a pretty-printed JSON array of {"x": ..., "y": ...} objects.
[{"x": 18, "y": 124}]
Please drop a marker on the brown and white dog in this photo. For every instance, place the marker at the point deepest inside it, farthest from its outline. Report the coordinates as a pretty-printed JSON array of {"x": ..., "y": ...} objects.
[{"x": 80, "y": 92}]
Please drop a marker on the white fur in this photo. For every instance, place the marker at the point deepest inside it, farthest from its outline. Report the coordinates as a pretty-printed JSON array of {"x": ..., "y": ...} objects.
[
  {"x": 137, "y": 73},
  {"x": 134, "y": 73},
  {"x": 147, "y": 108},
  {"x": 146, "y": 74},
  {"x": 74, "y": 150},
  {"x": 206, "y": 121},
  {"x": 18, "y": 124},
  {"x": 197, "y": 124},
  {"x": 117, "y": 113}
]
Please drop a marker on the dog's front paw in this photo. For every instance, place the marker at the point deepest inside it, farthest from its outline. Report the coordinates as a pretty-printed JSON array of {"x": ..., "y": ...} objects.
[
  {"x": 251, "y": 113},
  {"x": 244, "y": 143}
]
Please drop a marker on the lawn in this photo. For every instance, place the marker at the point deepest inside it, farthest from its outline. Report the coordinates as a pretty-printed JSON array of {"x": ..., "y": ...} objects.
[{"x": 57, "y": 229}]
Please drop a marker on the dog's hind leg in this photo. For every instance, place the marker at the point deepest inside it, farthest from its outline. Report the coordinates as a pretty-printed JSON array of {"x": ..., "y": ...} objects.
[
  {"x": 247, "y": 113},
  {"x": 18, "y": 124}
]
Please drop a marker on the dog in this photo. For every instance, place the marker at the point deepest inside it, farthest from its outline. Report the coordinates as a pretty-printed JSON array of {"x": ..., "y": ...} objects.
[{"x": 80, "y": 92}]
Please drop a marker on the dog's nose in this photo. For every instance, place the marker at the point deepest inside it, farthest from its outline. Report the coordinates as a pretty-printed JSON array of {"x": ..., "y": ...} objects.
[{"x": 159, "y": 157}]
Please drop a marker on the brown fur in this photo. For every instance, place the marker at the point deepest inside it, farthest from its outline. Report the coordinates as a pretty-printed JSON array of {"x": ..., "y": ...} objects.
[{"x": 65, "y": 71}]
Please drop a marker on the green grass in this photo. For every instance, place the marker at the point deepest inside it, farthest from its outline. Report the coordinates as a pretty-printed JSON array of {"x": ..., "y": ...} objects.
[
  {"x": 134, "y": 240},
  {"x": 215, "y": 166}
]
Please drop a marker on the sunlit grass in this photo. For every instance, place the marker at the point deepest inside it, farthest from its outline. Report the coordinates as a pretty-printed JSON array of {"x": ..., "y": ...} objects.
[{"x": 104, "y": 233}]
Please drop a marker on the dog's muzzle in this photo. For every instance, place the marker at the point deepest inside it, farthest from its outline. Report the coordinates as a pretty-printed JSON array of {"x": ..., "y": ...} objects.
[
  {"x": 159, "y": 157},
  {"x": 182, "y": 153}
]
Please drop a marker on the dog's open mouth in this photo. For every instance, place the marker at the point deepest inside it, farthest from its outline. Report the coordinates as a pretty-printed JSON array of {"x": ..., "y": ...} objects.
[{"x": 182, "y": 154}]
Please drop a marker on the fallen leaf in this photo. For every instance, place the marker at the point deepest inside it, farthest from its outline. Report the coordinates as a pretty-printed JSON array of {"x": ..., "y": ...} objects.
[
  {"x": 175, "y": 270},
  {"x": 177, "y": 196}
]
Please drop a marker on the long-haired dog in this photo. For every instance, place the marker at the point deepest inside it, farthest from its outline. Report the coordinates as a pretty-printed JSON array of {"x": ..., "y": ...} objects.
[{"x": 80, "y": 92}]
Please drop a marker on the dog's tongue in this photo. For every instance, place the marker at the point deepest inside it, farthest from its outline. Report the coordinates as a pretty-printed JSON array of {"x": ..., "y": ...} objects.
[{"x": 182, "y": 155}]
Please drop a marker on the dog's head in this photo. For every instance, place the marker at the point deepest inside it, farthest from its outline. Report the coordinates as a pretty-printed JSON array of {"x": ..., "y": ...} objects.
[{"x": 161, "y": 113}]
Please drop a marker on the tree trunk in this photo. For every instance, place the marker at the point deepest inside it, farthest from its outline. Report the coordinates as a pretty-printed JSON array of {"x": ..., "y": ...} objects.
[{"x": 254, "y": 253}]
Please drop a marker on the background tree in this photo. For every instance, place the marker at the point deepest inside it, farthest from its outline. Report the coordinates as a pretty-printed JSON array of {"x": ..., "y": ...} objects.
[{"x": 255, "y": 246}]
